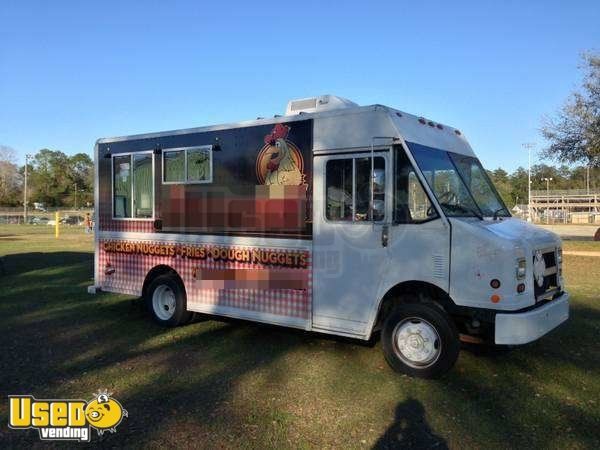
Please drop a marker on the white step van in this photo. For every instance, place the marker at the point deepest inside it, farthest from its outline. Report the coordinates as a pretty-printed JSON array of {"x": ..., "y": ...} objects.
[{"x": 333, "y": 218}]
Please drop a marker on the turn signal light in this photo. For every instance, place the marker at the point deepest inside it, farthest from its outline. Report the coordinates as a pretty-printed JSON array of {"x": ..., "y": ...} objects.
[
  {"x": 521, "y": 268},
  {"x": 495, "y": 298}
]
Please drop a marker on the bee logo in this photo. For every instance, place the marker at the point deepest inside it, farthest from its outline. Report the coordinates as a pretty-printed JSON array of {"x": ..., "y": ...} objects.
[{"x": 104, "y": 413}]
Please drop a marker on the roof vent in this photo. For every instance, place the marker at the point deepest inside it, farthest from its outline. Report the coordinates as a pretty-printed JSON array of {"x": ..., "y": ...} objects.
[{"x": 317, "y": 104}]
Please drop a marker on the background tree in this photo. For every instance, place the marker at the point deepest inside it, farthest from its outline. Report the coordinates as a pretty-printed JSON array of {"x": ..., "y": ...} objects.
[
  {"x": 574, "y": 134},
  {"x": 49, "y": 177},
  {"x": 82, "y": 178},
  {"x": 502, "y": 182},
  {"x": 60, "y": 180},
  {"x": 518, "y": 185},
  {"x": 513, "y": 187},
  {"x": 10, "y": 179}
]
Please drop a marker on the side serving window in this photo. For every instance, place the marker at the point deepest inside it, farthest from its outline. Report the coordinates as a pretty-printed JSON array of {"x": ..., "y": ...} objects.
[
  {"x": 133, "y": 190},
  {"x": 411, "y": 203},
  {"x": 188, "y": 165},
  {"x": 348, "y": 190}
]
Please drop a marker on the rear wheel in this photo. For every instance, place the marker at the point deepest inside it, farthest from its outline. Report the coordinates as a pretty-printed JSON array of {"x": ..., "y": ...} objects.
[
  {"x": 420, "y": 339},
  {"x": 166, "y": 301}
]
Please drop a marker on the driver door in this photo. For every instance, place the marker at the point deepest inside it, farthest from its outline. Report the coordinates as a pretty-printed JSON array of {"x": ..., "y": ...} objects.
[{"x": 349, "y": 238}]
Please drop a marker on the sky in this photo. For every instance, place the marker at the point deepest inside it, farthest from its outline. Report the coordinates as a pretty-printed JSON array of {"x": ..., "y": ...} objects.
[{"x": 72, "y": 72}]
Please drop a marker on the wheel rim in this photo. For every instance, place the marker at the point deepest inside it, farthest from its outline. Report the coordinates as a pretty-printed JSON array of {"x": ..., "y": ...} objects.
[
  {"x": 163, "y": 302},
  {"x": 417, "y": 342}
]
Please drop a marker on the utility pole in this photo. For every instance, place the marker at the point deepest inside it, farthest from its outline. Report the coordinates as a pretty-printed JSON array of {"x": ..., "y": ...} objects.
[
  {"x": 75, "y": 185},
  {"x": 587, "y": 179},
  {"x": 529, "y": 146},
  {"x": 547, "y": 180},
  {"x": 25, "y": 191}
]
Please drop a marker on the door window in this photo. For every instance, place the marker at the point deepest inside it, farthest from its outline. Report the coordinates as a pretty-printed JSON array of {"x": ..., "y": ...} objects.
[
  {"x": 411, "y": 203},
  {"x": 348, "y": 189}
]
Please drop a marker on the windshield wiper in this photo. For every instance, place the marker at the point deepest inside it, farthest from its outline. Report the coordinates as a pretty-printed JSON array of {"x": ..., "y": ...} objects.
[
  {"x": 463, "y": 208},
  {"x": 497, "y": 211}
]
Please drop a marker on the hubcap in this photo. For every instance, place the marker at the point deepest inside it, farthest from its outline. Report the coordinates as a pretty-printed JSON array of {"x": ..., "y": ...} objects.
[
  {"x": 417, "y": 342},
  {"x": 163, "y": 302}
]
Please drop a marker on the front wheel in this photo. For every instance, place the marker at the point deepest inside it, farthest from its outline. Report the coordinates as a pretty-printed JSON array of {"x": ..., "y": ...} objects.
[
  {"x": 166, "y": 300},
  {"x": 420, "y": 339}
]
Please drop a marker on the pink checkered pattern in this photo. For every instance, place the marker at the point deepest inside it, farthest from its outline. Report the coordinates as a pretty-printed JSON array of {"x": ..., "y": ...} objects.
[
  {"x": 125, "y": 273},
  {"x": 133, "y": 226}
]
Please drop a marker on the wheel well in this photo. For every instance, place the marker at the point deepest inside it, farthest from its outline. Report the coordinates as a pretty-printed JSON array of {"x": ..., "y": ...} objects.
[
  {"x": 412, "y": 291},
  {"x": 157, "y": 271}
]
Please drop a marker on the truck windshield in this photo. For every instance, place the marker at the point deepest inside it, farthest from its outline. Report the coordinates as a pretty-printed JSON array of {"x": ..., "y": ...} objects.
[{"x": 459, "y": 182}]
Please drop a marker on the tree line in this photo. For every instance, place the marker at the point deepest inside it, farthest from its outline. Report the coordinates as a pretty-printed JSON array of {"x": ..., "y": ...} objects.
[
  {"x": 572, "y": 136},
  {"x": 512, "y": 187},
  {"x": 53, "y": 178}
]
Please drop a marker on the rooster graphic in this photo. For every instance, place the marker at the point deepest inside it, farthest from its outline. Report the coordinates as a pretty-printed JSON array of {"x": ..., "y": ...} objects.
[{"x": 282, "y": 159}]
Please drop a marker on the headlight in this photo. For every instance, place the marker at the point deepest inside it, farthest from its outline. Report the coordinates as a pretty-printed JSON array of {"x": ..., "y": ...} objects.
[{"x": 521, "y": 268}]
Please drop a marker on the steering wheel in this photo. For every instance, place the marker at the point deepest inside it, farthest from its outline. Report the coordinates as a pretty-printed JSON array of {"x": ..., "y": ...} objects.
[{"x": 448, "y": 197}]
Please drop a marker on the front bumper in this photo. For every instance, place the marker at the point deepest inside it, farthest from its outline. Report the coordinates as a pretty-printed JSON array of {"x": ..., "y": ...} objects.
[{"x": 521, "y": 328}]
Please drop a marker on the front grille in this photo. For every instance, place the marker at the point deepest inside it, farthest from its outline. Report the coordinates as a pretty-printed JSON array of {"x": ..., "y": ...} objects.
[
  {"x": 550, "y": 258},
  {"x": 550, "y": 277}
]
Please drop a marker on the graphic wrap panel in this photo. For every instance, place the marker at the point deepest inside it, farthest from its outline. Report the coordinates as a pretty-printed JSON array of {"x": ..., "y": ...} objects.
[
  {"x": 253, "y": 181},
  {"x": 268, "y": 280}
]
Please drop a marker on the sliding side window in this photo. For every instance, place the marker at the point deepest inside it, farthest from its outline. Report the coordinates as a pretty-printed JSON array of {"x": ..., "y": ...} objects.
[
  {"x": 143, "y": 180},
  {"x": 188, "y": 165},
  {"x": 133, "y": 193}
]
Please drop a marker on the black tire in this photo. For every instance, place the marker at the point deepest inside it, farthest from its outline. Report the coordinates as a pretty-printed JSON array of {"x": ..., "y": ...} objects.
[
  {"x": 175, "y": 313},
  {"x": 438, "y": 328}
]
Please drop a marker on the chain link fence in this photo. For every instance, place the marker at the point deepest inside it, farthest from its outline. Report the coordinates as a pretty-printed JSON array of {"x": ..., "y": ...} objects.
[{"x": 45, "y": 216}]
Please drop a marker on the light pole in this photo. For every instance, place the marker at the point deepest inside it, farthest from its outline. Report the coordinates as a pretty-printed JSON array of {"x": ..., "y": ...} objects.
[
  {"x": 76, "y": 191},
  {"x": 25, "y": 191},
  {"x": 547, "y": 180},
  {"x": 529, "y": 146}
]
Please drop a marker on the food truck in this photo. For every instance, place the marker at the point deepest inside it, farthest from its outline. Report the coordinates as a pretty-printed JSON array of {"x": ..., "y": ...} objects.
[{"x": 358, "y": 221}]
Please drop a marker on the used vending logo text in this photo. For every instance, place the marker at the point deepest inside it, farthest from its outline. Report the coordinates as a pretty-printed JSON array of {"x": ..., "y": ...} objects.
[{"x": 66, "y": 419}]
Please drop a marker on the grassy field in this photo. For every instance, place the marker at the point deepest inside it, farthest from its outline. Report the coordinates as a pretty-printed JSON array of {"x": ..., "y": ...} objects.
[
  {"x": 234, "y": 384},
  {"x": 588, "y": 246}
]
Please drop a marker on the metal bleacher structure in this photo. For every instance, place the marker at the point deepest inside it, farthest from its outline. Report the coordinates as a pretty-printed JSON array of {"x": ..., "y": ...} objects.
[{"x": 577, "y": 206}]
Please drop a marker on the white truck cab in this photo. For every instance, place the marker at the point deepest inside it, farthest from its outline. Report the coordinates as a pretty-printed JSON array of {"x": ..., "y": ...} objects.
[{"x": 334, "y": 218}]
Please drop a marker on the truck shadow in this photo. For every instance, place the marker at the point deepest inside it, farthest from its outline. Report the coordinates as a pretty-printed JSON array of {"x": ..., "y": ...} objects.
[{"x": 16, "y": 264}]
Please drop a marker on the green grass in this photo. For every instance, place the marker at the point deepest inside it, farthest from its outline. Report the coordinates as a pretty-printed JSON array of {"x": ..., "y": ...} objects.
[
  {"x": 587, "y": 246},
  {"x": 238, "y": 384}
]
